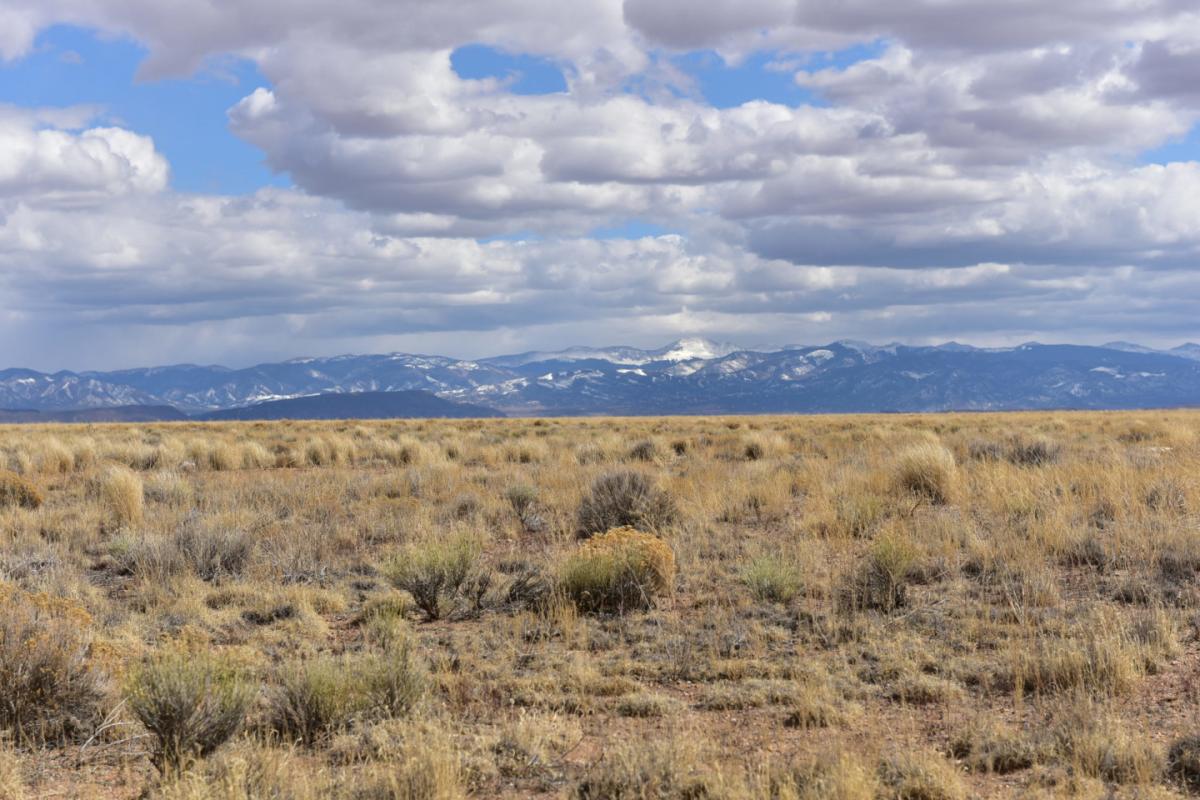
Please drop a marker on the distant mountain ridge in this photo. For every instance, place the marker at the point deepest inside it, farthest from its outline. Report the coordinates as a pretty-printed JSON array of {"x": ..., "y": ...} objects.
[
  {"x": 692, "y": 375},
  {"x": 356, "y": 405},
  {"x": 106, "y": 414}
]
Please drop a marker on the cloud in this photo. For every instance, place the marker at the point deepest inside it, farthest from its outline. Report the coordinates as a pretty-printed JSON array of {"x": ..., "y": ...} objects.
[
  {"x": 69, "y": 167},
  {"x": 976, "y": 166}
]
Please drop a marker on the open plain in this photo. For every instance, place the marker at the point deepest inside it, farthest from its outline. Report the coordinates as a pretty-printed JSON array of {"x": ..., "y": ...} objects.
[{"x": 918, "y": 607}]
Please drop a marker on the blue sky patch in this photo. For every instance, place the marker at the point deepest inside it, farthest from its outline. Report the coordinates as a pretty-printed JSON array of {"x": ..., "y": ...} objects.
[
  {"x": 1183, "y": 148},
  {"x": 186, "y": 118},
  {"x": 760, "y": 76},
  {"x": 630, "y": 229},
  {"x": 525, "y": 74},
  {"x": 765, "y": 75}
]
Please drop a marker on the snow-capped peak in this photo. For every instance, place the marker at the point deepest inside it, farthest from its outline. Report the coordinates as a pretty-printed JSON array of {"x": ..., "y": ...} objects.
[{"x": 693, "y": 347}]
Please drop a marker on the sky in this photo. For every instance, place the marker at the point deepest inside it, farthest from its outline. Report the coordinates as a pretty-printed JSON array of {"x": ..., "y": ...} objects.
[{"x": 237, "y": 181}]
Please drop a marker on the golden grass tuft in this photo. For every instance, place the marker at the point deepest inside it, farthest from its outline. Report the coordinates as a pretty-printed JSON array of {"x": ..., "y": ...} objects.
[
  {"x": 927, "y": 470},
  {"x": 19, "y": 492},
  {"x": 829, "y": 776},
  {"x": 121, "y": 495},
  {"x": 915, "y": 774},
  {"x": 12, "y": 775}
]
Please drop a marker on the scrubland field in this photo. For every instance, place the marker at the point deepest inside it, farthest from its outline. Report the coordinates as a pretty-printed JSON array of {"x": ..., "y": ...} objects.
[{"x": 916, "y": 607}]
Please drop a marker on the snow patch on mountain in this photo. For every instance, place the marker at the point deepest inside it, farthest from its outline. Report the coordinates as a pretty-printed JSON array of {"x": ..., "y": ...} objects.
[{"x": 693, "y": 348}]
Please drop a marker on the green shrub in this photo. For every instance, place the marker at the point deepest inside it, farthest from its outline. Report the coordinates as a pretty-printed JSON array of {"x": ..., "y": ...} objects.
[
  {"x": 625, "y": 499},
  {"x": 435, "y": 573},
  {"x": 393, "y": 681},
  {"x": 620, "y": 570},
  {"x": 191, "y": 702},
  {"x": 881, "y": 582},
  {"x": 315, "y": 699},
  {"x": 320, "y": 697},
  {"x": 773, "y": 579},
  {"x": 17, "y": 491},
  {"x": 524, "y": 502},
  {"x": 522, "y": 498}
]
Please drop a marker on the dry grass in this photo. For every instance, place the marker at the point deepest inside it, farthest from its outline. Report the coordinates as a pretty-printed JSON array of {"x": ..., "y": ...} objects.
[
  {"x": 864, "y": 608},
  {"x": 12, "y": 778},
  {"x": 17, "y": 491},
  {"x": 120, "y": 493}
]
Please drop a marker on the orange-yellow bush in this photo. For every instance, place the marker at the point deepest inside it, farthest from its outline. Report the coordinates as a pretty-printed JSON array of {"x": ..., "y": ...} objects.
[
  {"x": 51, "y": 690},
  {"x": 619, "y": 570}
]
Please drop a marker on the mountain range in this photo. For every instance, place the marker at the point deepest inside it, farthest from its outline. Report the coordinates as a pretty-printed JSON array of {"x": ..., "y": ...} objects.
[{"x": 690, "y": 376}]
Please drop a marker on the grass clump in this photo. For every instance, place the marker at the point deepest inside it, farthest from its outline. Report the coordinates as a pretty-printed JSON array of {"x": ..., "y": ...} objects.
[
  {"x": 664, "y": 770},
  {"x": 318, "y": 698},
  {"x": 994, "y": 748},
  {"x": 212, "y": 554},
  {"x": 49, "y": 690},
  {"x": 191, "y": 702},
  {"x": 208, "y": 554},
  {"x": 882, "y": 579},
  {"x": 645, "y": 450},
  {"x": 435, "y": 573},
  {"x": 19, "y": 492},
  {"x": 620, "y": 570},
  {"x": 1034, "y": 452},
  {"x": 840, "y": 776},
  {"x": 1099, "y": 746},
  {"x": 772, "y": 579},
  {"x": 1183, "y": 762},
  {"x": 524, "y": 501},
  {"x": 12, "y": 777},
  {"x": 314, "y": 699},
  {"x": 1098, "y": 662},
  {"x": 921, "y": 775},
  {"x": 625, "y": 499},
  {"x": 392, "y": 682},
  {"x": 929, "y": 471},
  {"x": 121, "y": 494},
  {"x": 428, "y": 766},
  {"x": 647, "y": 705}
]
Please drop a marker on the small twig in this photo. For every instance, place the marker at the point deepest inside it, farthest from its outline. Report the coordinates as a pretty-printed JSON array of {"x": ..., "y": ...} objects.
[{"x": 108, "y": 723}]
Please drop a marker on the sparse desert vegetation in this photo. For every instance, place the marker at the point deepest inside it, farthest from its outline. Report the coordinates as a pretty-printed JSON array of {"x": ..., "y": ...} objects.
[{"x": 916, "y": 607}]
